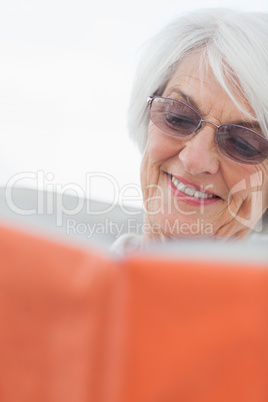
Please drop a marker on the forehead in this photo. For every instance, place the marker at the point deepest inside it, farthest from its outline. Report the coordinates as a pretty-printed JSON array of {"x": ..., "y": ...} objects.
[{"x": 193, "y": 73}]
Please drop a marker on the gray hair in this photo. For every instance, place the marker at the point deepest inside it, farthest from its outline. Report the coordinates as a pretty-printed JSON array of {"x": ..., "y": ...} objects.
[{"x": 233, "y": 43}]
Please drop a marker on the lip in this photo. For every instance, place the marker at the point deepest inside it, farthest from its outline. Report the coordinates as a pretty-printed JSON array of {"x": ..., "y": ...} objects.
[{"x": 188, "y": 199}]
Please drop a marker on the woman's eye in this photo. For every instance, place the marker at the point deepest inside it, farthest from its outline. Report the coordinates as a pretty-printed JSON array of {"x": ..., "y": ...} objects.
[
  {"x": 179, "y": 122},
  {"x": 244, "y": 148}
]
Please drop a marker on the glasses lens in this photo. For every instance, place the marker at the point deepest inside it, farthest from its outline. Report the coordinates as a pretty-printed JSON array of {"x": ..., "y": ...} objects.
[
  {"x": 174, "y": 117},
  {"x": 241, "y": 144}
]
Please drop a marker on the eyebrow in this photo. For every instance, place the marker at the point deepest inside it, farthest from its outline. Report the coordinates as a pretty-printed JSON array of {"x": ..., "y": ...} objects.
[
  {"x": 186, "y": 98},
  {"x": 253, "y": 125}
]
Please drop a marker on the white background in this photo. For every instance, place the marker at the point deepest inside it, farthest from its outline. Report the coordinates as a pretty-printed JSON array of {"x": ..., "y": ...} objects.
[{"x": 66, "y": 71}]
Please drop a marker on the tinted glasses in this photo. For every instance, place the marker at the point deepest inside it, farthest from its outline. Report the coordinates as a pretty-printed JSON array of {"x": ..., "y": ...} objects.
[{"x": 180, "y": 120}]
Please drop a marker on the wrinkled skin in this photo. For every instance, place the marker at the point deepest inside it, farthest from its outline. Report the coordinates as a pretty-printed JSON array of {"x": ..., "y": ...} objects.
[{"x": 242, "y": 190}]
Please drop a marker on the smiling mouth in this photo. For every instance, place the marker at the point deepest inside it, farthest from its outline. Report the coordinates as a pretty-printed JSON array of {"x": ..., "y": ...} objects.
[{"x": 190, "y": 191}]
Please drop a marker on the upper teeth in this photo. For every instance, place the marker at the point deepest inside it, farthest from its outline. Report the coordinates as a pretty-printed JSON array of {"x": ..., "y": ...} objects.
[{"x": 189, "y": 190}]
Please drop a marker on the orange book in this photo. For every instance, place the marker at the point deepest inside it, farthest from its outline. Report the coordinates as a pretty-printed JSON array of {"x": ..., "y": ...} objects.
[{"x": 77, "y": 326}]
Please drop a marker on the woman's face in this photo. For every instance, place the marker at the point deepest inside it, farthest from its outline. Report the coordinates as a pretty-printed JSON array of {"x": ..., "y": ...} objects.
[{"x": 234, "y": 195}]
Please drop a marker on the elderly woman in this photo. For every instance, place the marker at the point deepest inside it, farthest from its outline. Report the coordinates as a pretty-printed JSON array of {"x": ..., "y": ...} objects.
[{"x": 203, "y": 130}]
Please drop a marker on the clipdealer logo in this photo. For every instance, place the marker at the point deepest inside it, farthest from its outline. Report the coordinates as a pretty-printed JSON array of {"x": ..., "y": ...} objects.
[{"x": 51, "y": 198}]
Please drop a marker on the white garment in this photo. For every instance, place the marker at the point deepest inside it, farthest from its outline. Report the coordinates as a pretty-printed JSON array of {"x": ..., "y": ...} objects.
[{"x": 126, "y": 244}]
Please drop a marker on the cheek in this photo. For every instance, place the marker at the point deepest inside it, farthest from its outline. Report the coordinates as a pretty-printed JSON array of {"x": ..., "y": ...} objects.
[
  {"x": 265, "y": 195},
  {"x": 248, "y": 190},
  {"x": 161, "y": 146},
  {"x": 158, "y": 150},
  {"x": 263, "y": 169}
]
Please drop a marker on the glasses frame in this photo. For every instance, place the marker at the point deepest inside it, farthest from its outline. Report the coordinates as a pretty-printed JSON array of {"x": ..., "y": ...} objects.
[{"x": 150, "y": 100}]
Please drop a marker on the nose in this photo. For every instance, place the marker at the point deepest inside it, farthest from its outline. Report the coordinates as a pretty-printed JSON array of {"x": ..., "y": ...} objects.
[{"x": 199, "y": 153}]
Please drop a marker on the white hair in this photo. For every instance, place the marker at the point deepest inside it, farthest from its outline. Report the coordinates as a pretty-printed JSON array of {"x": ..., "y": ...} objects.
[{"x": 233, "y": 43}]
